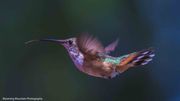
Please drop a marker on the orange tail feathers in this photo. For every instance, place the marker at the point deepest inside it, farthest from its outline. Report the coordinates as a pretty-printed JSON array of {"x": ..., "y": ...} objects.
[{"x": 135, "y": 59}]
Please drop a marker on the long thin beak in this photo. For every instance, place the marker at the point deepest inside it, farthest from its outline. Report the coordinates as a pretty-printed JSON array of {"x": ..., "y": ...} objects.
[{"x": 46, "y": 40}]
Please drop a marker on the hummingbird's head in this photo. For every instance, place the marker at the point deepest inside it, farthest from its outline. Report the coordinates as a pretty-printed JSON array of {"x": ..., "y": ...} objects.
[{"x": 68, "y": 43}]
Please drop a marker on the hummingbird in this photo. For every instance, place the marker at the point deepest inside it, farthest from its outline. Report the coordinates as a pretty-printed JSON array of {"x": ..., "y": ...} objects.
[{"x": 92, "y": 58}]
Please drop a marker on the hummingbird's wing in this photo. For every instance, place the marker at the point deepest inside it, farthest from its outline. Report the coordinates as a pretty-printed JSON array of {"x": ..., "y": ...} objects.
[
  {"x": 134, "y": 59},
  {"x": 112, "y": 46},
  {"x": 89, "y": 45}
]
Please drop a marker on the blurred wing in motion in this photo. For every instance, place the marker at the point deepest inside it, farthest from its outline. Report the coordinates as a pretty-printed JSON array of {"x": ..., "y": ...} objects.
[
  {"x": 89, "y": 45},
  {"x": 112, "y": 46}
]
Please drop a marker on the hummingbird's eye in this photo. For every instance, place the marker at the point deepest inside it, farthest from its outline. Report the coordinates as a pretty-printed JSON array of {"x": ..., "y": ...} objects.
[{"x": 70, "y": 42}]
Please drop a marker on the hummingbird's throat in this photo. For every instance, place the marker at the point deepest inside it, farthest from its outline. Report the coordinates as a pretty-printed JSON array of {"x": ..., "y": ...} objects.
[{"x": 76, "y": 56}]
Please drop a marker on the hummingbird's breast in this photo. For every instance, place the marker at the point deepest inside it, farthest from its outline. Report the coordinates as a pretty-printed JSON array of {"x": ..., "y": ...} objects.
[{"x": 100, "y": 67}]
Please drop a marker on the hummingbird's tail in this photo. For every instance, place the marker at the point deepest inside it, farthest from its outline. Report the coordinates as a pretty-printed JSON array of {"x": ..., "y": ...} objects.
[{"x": 135, "y": 59}]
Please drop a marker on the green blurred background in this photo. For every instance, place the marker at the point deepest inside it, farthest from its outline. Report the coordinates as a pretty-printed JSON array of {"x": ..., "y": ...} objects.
[{"x": 45, "y": 70}]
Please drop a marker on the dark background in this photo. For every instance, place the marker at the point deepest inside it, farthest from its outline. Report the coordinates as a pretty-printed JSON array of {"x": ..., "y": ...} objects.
[{"x": 45, "y": 70}]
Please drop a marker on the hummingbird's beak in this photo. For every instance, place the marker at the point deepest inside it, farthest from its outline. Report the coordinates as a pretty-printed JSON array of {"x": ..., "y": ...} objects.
[{"x": 47, "y": 40}]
